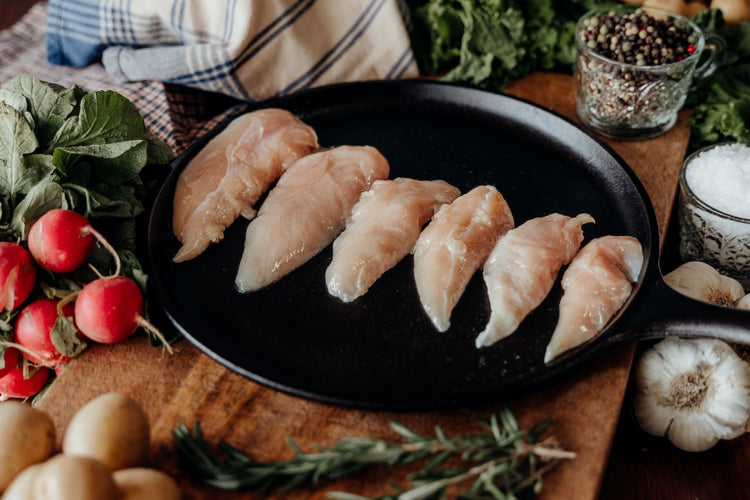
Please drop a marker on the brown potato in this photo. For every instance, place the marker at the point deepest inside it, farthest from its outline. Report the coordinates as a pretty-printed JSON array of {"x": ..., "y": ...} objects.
[
  {"x": 22, "y": 487},
  {"x": 140, "y": 483},
  {"x": 28, "y": 437},
  {"x": 111, "y": 428},
  {"x": 66, "y": 477}
]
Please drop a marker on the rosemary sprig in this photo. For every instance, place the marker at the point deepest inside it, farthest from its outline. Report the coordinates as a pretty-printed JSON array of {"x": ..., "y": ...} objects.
[{"x": 501, "y": 463}]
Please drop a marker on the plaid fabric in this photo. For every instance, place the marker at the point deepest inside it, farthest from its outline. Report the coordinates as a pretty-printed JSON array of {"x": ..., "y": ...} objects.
[
  {"x": 177, "y": 115},
  {"x": 247, "y": 49}
]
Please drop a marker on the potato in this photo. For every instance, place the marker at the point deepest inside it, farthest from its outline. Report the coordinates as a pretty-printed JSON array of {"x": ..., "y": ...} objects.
[
  {"x": 28, "y": 437},
  {"x": 22, "y": 487},
  {"x": 66, "y": 477},
  {"x": 140, "y": 483},
  {"x": 111, "y": 428}
]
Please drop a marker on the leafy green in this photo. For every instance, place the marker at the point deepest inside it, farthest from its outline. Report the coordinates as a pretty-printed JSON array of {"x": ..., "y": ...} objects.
[
  {"x": 722, "y": 102},
  {"x": 112, "y": 163},
  {"x": 65, "y": 148},
  {"x": 486, "y": 42},
  {"x": 48, "y": 103},
  {"x": 16, "y": 139}
]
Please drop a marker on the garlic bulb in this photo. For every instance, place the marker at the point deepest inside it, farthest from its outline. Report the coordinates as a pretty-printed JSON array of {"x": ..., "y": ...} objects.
[
  {"x": 694, "y": 391},
  {"x": 744, "y": 302},
  {"x": 700, "y": 281}
]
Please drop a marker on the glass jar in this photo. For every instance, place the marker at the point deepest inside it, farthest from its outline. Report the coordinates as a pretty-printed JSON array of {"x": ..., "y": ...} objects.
[
  {"x": 711, "y": 235},
  {"x": 636, "y": 100}
]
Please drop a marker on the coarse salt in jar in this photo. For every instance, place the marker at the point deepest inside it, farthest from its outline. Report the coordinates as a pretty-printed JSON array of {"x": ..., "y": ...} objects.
[{"x": 714, "y": 209}]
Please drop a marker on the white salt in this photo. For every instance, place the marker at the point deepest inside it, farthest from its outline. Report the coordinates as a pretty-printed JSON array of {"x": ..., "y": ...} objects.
[{"x": 720, "y": 177}]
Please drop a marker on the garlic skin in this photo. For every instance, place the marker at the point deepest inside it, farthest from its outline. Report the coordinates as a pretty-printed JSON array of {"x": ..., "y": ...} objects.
[
  {"x": 700, "y": 281},
  {"x": 744, "y": 302},
  {"x": 694, "y": 391}
]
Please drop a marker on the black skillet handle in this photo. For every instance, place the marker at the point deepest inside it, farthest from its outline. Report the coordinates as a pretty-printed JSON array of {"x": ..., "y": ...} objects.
[{"x": 662, "y": 312}]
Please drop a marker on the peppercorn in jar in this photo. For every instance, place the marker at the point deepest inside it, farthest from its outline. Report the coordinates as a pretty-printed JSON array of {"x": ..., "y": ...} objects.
[
  {"x": 634, "y": 69},
  {"x": 638, "y": 38}
]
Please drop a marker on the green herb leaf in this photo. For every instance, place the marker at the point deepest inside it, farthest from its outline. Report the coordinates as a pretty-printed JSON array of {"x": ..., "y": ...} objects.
[
  {"x": 486, "y": 42},
  {"x": 16, "y": 139},
  {"x": 502, "y": 463},
  {"x": 49, "y": 103},
  {"x": 15, "y": 101},
  {"x": 103, "y": 200},
  {"x": 104, "y": 117},
  {"x": 65, "y": 339},
  {"x": 112, "y": 163},
  {"x": 37, "y": 167},
  {"x": 159, "y": 152},
  {"x": 43, "y": 197}
]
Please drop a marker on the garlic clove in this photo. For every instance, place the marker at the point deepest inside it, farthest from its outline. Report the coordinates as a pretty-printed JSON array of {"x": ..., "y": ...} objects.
[
  {"x": 744, "y": 302},
  {"x": 693, "y": 432},
  {"x": 653, "y": 417},
  {"x": 694, "y": 391},
  {"x": 700, "y": 281}
]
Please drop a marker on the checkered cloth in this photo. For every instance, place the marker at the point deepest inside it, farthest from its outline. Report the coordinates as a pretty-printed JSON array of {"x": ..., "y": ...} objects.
[
  {"x": 247, "y": 49},
  {"x": 177, "y": 115}
]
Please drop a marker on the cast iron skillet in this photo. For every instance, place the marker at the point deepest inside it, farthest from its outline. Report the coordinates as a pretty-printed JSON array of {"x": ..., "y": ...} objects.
[{"x": 381, "y": 352}]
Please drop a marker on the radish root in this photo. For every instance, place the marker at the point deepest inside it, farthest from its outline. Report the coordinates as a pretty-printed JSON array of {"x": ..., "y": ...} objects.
[
  {"x": 103, "y": 241},
  {"x": 150, "y": 328},
  {"x": 30, "y": 352}
]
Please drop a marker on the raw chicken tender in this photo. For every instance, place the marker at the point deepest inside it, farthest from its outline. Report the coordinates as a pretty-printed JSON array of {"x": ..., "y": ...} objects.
[
  {"x": 454, "y": 245},
  {"x": 597, "y": 283},
  {"x": 523, "y": 267},
  {"x": 381, "y": 230},
  {"x": 228, "y": 176},
  {"x": 305, "y": 211}
]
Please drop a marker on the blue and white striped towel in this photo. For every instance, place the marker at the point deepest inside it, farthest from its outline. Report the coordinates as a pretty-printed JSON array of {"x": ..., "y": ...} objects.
[{"x": 248, "y": 49}]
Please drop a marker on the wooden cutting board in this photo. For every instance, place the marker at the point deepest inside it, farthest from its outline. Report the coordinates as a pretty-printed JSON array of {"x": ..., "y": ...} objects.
[{"x": 584, "y": 406}]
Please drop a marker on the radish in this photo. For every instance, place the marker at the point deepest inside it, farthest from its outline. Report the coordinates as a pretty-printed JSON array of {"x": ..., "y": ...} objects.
[
  {"x": 62, "y": 240},
  {"x": 17, "y": 275},
  {"x": 34, "y": 328},
  {"x": 110, "y": 309},
  {"x": 14, "y": 385},
  {"x": 10, "y": 360}
]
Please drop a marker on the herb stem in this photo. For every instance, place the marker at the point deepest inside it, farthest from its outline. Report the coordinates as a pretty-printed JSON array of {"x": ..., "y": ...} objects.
[{"x": 505, "y": 459}]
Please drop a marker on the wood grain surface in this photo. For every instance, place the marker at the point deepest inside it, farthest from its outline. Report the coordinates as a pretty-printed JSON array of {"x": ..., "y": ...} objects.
[{"x": 584, "y": 405}]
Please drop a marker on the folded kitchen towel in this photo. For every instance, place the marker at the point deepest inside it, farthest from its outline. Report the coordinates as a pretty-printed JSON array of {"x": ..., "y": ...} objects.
[{"x": 248, "y": 49}]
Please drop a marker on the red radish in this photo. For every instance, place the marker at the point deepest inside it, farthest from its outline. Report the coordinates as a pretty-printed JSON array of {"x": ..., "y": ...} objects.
[
  {"x": 14, "y": 385},
  {"x": 17, "y": 275},
  {"x": 33, "y": 331},
  {"x": 10, "y": 360},
  {"x": 110, "y": 309},
  {"x": 60, "y": 240}
]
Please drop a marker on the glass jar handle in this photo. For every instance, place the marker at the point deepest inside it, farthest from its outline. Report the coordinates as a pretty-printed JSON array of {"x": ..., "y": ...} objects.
[{"x": 715, "y": 48}]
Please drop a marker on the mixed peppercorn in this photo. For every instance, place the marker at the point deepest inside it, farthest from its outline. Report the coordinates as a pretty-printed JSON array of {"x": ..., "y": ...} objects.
[{"x": 637, "y": 38}]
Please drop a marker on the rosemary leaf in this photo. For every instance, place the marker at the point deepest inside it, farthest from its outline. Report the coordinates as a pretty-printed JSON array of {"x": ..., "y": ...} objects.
[{"x": 499, "y": 464}]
